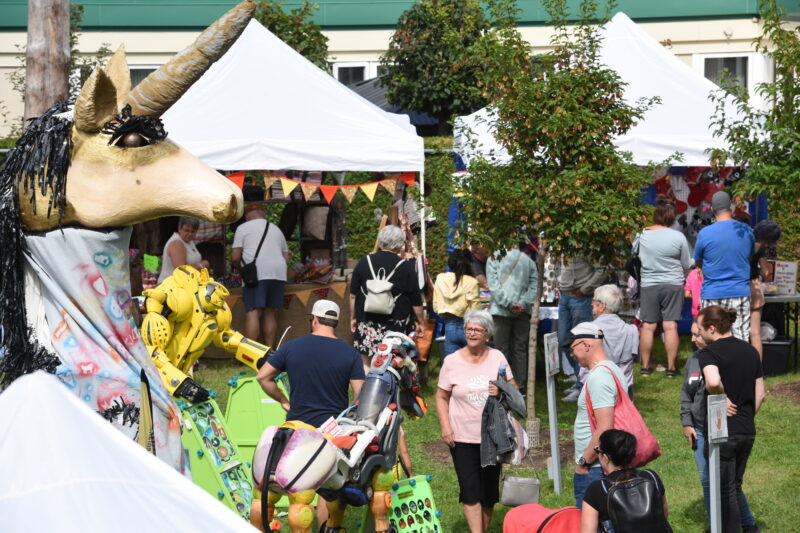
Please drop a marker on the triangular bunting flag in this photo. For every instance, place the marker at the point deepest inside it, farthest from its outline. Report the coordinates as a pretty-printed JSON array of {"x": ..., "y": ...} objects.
[
  {"x": 369, "y": 189},
  {"x": 349, "y": 191},
  {"x": 303, "y": 296},
  {"x": 237, "y": 178},
  {"x": 407, "y": 177},
  {"x": 321, "y": 293},
  {"x": 288, "y": 186},
  {"x": 328, "y": 191},
  {"x": 269, "y": 179},
  {"x": 339, "y": 288},
  {"x": 389, "y": 185},
  {"x": 308, "y": 190}
]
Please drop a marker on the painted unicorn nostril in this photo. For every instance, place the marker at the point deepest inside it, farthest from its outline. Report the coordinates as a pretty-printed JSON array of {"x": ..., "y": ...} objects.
[{"x": 234, "y": 205}]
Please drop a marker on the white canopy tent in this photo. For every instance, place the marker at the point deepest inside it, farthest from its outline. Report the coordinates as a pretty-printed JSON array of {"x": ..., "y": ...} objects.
[
  {"x": 681, "y": 122},
  {"x": 264, "y": 106},
  {"x": 64, "y": 468}
]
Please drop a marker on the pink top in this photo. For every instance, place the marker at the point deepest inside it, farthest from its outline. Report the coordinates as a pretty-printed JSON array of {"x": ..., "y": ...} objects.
[
  {"x": 694, "y": 281},
  {"x": 468, "y": 384}
]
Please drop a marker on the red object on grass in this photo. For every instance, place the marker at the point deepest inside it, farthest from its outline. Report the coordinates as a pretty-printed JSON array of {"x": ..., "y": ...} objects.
[{"x": 535, "y": 518}]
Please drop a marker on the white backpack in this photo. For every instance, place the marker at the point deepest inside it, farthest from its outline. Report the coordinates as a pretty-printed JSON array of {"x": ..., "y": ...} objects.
[{"x": 378, "y": 298}]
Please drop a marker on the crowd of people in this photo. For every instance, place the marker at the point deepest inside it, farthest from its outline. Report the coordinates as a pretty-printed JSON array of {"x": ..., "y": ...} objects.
[{"x": 485, "y": 300}]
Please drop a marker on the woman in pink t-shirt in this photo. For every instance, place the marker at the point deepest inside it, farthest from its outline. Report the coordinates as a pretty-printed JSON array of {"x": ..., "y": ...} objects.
[
  {"x": 463, "y": 390},
  {"x": 694, "y": 282}
]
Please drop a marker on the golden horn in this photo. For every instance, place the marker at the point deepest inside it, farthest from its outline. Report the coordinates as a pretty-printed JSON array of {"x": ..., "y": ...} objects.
[{"x": 162, "y": 88}]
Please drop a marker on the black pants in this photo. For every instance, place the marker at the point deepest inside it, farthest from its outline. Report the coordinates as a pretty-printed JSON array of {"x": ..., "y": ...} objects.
[{"x": 733, "y": 457}]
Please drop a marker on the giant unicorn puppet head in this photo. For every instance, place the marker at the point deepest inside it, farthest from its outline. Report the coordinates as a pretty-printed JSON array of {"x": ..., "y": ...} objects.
[{"x": 96, "y": 169}]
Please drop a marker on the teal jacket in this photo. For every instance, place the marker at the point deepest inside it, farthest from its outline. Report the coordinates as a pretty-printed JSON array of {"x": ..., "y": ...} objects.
[{"x": 519, "y": 286}]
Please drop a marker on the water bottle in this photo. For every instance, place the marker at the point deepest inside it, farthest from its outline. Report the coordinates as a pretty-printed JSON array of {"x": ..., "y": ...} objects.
[{"x": 501, "y": 372}]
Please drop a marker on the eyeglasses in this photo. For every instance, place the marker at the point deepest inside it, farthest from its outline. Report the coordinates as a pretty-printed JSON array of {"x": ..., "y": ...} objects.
[
  {"x": 474, "y": 331},
  {"x": 575, "y": 346},
  {"x": 598, "y": 451}
]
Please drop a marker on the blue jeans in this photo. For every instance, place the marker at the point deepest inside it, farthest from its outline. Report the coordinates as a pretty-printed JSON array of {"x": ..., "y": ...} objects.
[
  {"x": 747, "y": 518},
  {"x": 454, "y": 338},
  {"x": 581, "y": 482},
  {"x": 571, "y": 312},
  {"x": 733, "y": 456}
]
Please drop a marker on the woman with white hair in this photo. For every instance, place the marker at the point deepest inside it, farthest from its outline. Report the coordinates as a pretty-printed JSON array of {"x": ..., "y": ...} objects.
[
  {"x": 621, "y": 340},
  {"x": 460, "y": 398},
  {"x": 370, "y": 322}
]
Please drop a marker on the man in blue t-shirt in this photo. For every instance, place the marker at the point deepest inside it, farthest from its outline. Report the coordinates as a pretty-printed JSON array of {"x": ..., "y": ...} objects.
[
  {"x": 320, "y": 368},
  {"x": 723, "y": 252}
]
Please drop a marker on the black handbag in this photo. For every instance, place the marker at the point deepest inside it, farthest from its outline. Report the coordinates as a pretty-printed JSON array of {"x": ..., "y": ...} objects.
[
  {"x": 633, "y": 265},
  {"x": 249, "y": 271}
]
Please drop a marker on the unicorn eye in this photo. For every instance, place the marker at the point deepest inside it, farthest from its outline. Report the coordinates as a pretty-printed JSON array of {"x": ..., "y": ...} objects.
[{"x": 132, "y": 140}]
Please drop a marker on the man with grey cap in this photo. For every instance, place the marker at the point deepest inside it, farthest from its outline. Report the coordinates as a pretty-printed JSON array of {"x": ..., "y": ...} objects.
[
  {"x": 320, "y": 368},
  {"x": 585, "y": 343},
  {"x": 723, "y": 252}
]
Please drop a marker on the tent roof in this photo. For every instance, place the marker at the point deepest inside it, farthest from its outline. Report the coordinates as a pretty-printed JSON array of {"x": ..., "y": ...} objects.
[
  {"x": 264, "y": 106},
  {"x": 681, "y": 122},
  {"x": 64, "y": 468}
]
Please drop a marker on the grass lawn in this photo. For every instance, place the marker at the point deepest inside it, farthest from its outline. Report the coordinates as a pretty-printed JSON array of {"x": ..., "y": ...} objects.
[{"x": 771, "y": 482}]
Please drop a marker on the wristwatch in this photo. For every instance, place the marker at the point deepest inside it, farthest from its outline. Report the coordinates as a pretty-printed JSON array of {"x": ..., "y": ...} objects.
[{"x": 582, "y": 462}]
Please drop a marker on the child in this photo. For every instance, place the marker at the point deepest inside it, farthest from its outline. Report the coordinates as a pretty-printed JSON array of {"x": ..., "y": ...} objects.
[{"x": 694, "y": 281}]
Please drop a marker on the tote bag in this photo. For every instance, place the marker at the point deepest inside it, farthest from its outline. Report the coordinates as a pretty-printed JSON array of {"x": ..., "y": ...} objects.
[{"x": 628, "y": 418}]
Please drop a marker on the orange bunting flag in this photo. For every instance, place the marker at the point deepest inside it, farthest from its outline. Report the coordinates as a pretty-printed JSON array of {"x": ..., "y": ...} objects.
[
  {"x": 237, "y": 178},
  {"x": 339, "y": 289},
  {"x": 288, "y": 186},
  {"x": 328, "y": 191},
  {"x": 407, "y": 177},
  {"x": 349, "y": 191},
  {"x": 303, "y": 296},
  {"x": 369, "y": 189},
  {"x": 389, "y": 185},
  {"x": 308, "y": 190}
]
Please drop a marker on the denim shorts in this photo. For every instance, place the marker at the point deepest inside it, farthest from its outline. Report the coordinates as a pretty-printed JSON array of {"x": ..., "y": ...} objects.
[{"x": 268, "y": 293}]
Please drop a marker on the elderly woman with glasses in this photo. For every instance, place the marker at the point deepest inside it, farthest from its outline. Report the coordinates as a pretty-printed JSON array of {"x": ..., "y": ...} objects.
[
  {"x": 181, "y": 249},
  {"x": 616, "y": 450},
  {"x": 620, "y": 339},
  {"x": 462, "y": 392}
]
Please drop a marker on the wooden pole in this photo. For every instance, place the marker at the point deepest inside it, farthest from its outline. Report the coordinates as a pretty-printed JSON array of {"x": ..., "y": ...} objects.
[
  {"x": 47, "y": 55},
  {"x": 533, "y": 423}
]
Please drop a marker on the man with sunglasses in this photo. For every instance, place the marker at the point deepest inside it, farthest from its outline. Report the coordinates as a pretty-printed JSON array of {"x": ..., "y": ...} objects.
[{"x": 585, "y": 344}]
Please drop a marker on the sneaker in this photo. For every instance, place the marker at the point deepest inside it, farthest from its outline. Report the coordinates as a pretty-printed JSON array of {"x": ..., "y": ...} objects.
[
  {"x": 645, "y": 371},
  {"x": 672, "y": 373},
  {"x": 570, "y": 390},
  {"x": 660, "y": 368},
  {"x": 572, "y": 396},
  {"x": 570, "y": 379}
]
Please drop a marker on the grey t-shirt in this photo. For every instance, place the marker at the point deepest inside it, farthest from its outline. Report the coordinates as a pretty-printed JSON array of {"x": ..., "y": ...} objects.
[{"x": 665, "y": 257}]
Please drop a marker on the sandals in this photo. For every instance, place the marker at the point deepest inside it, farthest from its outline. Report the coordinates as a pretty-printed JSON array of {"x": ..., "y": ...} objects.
[
  {"x": 672, "y": 373},
  {"x": 645, "y": 371}
]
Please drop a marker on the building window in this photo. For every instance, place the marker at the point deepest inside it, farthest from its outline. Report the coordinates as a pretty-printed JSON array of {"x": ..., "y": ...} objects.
[
  {"x": 350, "y": 75},
  {"x": 140, "y": 73},
  {"x": 714, "y": 67},
  {"x": 350, "y": 72}
]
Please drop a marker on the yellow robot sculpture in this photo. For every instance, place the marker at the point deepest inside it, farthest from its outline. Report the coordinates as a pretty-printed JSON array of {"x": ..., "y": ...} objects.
[{"x": 184, "y": 315}]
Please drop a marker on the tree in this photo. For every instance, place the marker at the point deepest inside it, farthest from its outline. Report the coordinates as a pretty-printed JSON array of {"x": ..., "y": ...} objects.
[
  {"x": 557, "y": 116},
  {"x": 429, "y": 64},
  {"x": 296, "y": 29},
  {"x": 47, "y": 55},
  {"x": 766, "y": 141}
]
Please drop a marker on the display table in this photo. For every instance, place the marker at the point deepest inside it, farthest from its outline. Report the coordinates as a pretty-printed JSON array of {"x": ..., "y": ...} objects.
[
  {"x": 298, "y": 300},
  {"x": 791, "y": 315}
]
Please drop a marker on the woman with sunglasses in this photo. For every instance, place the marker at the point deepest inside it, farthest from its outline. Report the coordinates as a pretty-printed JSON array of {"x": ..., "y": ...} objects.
[
  {"x": 616, "y": 450},
  {"x": 460, "y": 398}
]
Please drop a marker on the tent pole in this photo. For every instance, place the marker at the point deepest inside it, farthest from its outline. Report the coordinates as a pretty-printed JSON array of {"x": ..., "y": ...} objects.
[{"x": 422, "y": 210}]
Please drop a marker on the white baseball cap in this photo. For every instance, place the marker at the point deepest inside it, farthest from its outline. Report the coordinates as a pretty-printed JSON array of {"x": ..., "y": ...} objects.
[{"x": 325, "y": 309}]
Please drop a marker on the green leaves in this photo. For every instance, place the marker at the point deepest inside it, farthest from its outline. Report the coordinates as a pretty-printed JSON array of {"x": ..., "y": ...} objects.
[
  {"x": 557, "y": 116},
  {"x": 296, "y": 29}
]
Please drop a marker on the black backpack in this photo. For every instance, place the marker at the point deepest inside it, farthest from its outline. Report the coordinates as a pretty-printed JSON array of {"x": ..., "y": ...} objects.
[{"x": 636, "y": 505}]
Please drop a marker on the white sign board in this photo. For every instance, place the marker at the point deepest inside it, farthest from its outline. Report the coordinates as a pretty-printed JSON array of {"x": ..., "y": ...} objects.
[
  {"x": 717, "y": 418},
  {"x": 551, "y": 353},
  {"x": 786, "y": 278}
]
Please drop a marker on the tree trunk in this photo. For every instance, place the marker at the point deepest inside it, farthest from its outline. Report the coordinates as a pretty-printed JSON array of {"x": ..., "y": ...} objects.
[
  {"x": 47, "y": 55},
  {"x": 532, "y": 422}
]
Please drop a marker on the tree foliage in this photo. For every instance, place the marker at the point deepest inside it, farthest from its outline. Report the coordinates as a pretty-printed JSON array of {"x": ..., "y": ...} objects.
[
  {"x": 296, "y": 29},
  {"x": 765, "y": 141},
  {"x": 557, "y": 116},
  {"x": 429, "y": 65}
]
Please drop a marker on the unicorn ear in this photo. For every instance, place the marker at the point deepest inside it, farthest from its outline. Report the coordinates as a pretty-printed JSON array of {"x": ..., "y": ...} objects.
[
  {"x": 97, "y": 102},
  {"x": 117, "y": 69}
]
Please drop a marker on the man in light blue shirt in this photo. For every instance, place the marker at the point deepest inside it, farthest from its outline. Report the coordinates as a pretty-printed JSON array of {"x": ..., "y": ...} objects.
[{"x": 723, "y": 253}]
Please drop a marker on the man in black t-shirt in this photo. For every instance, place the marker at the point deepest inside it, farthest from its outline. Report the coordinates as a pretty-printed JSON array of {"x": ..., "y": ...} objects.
[{"x": 732, "y": 367}]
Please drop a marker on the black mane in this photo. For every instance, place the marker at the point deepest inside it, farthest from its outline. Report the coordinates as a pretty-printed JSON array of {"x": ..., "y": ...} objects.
[{"x": 40, "y": 162}]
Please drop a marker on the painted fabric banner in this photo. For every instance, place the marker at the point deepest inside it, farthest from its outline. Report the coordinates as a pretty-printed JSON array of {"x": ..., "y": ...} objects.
[{"x": 83, "y": 309}]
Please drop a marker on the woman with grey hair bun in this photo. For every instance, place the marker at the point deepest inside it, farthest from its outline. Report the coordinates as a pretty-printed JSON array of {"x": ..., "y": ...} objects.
[
  {"x": 620, "y": 339},
  {"x": 369, "y": 327},
  {"x": 460, "y": 397},
  {"x": 181, "y": 249}
]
